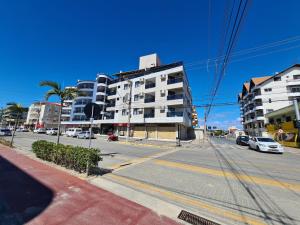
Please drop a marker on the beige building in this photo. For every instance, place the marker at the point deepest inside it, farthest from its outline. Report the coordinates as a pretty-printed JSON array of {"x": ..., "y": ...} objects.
[{"x": 43, "y": 114}]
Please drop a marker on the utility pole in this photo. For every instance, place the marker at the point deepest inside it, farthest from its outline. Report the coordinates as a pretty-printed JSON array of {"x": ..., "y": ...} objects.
[
  {"x": 129, "y": 110},
  {"x": 91, "y": 125},
  {"x": 296, "y": 109},
  {"x": 205, "y": 118}
]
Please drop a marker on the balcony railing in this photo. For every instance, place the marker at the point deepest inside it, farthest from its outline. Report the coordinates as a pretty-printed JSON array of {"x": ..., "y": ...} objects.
[
  {"x": 111, "y": 104},
  {"x": 112, "y": 93},
  {"x": 174, "y": 97},
  {"x": 147, "y": 100},
  {"x": 174, "y": 81},
  {"x": 149, "y": 115},
  {"x": 149, "y": 85},
  {"x": 174, "y": 114}
]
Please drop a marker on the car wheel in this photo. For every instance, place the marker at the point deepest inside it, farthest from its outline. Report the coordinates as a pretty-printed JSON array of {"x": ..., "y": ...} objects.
[{"x": 257, "y": 148}]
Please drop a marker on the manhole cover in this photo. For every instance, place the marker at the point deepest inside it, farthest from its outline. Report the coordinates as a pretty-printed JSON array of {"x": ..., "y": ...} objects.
[{"x": 194, "y": 219}]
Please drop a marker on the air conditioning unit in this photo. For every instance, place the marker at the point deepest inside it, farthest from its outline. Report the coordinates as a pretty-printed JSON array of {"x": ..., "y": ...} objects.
[
  {"x": 162, "y": 107},
  {"x": 142, "y": 80},
  {"x": 162, "y": 92},
  {"x": 163, "y": 76},
  {"x": 142, "y": 94},
  {"x": 140, "y": 110}
]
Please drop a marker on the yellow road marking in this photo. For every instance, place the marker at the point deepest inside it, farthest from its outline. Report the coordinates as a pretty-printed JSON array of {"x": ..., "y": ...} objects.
[
  {"x": 145, "y": 145},
  {"x": 220, "y": 173},
  {"x": 182, "y": 199},
  {"x": 140, "y": 160}
]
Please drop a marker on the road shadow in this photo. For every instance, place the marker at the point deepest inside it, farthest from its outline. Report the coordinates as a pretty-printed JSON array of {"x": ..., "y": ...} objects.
[
  {"x": 22, "y": 197},
  {"x": 99, "y": 171}
]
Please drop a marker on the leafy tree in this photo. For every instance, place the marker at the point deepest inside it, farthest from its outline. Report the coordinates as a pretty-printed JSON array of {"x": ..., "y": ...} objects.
[
  {"x": 17, "y": 109},
  {"x": 62, "y": 93}
]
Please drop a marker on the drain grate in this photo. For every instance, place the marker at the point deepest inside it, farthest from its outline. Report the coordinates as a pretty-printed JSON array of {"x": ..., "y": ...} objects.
[{"x": 194, "y": 219}]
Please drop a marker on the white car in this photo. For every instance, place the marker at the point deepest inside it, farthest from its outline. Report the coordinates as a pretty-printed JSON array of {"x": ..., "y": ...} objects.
[
  {"x": 5, "y": 132},
  {"x": 85, "y": 135},
  {"x": 52, "y": 131},
  {"x": 39, "y": 131},
  {"x": 265, "y": 144},
  {"x": 73, "y": 132}
]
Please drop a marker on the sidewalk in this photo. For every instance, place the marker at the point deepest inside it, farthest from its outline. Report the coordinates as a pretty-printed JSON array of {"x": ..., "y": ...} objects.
[{"x": 37, "y": 194}]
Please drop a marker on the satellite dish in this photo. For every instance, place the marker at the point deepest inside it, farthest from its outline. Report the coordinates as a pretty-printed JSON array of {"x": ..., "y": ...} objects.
[{"x": 91, "y": 109}]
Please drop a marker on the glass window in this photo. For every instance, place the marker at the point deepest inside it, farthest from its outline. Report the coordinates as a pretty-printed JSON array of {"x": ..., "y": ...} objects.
[
  {"x": 125, "y": 86},
  {"x": 135, "y": 111},
  {"x": 268, "y": 89},
  {"x": 123, "y": 112},
  {"x": 136, "y": 97},
  {"x": 296, "y": 77},
  {"x": 137, "y": 84},
  {"x": 277, "y": 78}
]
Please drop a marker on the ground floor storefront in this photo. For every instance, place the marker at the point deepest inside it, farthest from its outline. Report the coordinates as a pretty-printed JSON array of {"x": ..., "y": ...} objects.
[{"x": 160, "y": 131}]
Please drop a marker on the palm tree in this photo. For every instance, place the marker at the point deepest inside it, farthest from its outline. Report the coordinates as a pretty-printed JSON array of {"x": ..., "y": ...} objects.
[
  {"x": 18, "y": 110},
  {"x": 62, "y": 94}
]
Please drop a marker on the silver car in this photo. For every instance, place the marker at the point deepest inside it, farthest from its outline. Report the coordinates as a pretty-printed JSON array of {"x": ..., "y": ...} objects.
[{"x": 85, "y": 135}]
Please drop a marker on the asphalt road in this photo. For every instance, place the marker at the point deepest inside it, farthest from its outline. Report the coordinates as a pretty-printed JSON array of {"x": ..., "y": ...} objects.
[{"x": 219, "y": 180}]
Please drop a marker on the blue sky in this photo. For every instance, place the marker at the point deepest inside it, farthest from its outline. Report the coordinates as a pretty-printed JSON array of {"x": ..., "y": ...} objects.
[{"x": 69, "y": 40}]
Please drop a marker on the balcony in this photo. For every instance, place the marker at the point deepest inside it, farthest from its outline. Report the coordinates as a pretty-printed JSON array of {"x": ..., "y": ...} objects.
[
  {"x": 149, "y": 115},
  {"x": 174, "y": 81},
  {"x": 110, "y": 93},
  {"x": 174, "y": 97},
  {"x": 149, "y": 85},
  {"x": 174, "y": 114},
  {"x": 147, "y": 100}
]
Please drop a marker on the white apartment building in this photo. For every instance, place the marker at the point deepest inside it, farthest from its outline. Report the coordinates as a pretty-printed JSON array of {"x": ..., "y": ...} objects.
[
  {"x": 263, "y": 95},
  {"x": 158, "y": 98},
  {"x": 43, "y": 114}
]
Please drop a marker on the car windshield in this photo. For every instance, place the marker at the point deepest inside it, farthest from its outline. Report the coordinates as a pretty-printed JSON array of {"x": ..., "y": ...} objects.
[
  {"x": 265, "y": 140},
  {"x": 245, "y": 138}
]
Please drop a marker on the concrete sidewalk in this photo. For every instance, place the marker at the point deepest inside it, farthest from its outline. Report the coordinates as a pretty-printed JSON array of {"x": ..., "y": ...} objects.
[{"x": 34, "y": 193}]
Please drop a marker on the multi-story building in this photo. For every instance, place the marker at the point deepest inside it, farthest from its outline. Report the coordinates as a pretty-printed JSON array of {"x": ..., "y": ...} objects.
[
  {"x": 263, "y": 95},
  {"x": 43, "y": 114},
  {"x": 10, "y": 118},
  {"x": 157, "y": 97}
]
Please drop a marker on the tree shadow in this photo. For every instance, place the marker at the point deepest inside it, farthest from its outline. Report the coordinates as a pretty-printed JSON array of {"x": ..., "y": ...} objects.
[{"x": 22, "y": 197}]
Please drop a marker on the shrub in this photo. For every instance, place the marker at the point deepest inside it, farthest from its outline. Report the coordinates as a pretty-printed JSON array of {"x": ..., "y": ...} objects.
[
  {"x": 72, "y": 157},
  {"x": 4, "y": 142}
]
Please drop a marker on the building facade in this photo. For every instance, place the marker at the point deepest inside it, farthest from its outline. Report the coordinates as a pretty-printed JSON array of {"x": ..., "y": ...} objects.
[
  {"x": 155, "y": 100},
  {"x": 263, "y": 95},
  {"x": 43, "y": 114}
]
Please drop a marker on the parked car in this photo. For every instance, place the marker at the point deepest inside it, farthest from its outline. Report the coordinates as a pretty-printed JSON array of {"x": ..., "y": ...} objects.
[
  {"x": 22, "y": 129},
  {"x": 265, "y": 145},
  {"x": 52, "y": 131},
  {"x": 73, "y": 132},
  {"x": 39, "y": 131},
  {"x": 242, "y": 140},
  {"x": 5, "y": 132},
  {"x": 85, "y": 135}
]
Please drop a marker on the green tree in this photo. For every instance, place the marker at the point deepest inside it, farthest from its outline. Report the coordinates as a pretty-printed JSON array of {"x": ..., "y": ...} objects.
[
  {"x": 62, "y": 94},
  {"x": 17, "y": 109}
]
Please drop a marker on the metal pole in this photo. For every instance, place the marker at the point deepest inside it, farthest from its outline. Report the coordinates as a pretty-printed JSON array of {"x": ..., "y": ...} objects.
[
  {"x": 204, "y": 131},
  {"x": 129, "y": 111},
  {"x": 296, "y": 109},
  {"x": 92, "y": 120}
]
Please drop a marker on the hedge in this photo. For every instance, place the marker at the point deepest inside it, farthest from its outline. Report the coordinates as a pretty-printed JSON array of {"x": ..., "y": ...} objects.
[{"x": 71, "y": 157}]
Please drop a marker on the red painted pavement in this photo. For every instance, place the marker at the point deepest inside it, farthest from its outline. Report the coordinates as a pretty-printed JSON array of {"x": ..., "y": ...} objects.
[{"x": 40, "y": 194}]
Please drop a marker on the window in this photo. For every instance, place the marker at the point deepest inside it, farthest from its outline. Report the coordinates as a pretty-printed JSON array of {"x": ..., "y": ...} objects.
[
  {"x": 268, "y": 89},
  {"x": 135, "y": 111},
  {"x": 296, "y": 77},
  {"x": 277, "y": 78},
  {"x": 137, "y": 84},
  {"x": 269, "y": 110},
  {"x": 123, "y": 112},
  {"x": 295, "y": 89},
  {"x": 126, "y": 86},
  {"x": 136, "y": 98},
  {"x": 125, "y": 99}
]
